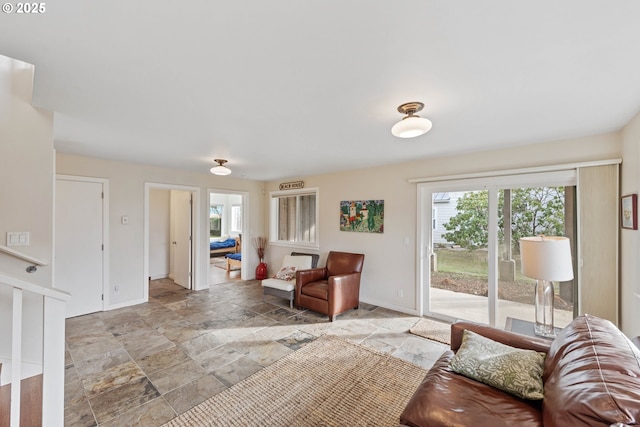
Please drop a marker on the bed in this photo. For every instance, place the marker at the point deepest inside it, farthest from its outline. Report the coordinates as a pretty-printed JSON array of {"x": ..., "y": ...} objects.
[
  {"x": 232, "y": 244},
  {"x": 234, "y": 261}
]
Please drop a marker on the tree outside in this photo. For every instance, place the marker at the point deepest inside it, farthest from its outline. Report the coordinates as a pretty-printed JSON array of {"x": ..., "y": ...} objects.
[
  {"x": 535, "y": 211},
  {"x": 464, "y": 266}
]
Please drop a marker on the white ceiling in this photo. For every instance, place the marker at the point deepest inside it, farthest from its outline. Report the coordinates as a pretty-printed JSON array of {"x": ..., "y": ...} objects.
[{"x": 291, "y": 88}]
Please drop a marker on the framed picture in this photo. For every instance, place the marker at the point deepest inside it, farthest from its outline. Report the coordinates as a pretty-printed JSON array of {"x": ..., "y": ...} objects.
[
  {"x": 362, "y": 216},
  {"x": 629, "y": 211}
]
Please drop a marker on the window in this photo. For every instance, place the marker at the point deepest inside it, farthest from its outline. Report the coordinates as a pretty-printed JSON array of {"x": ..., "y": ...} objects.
[
  {"x": 236, "y": 218},
  {"x": 293, "y": 217},
  {"x": 215, "y": 220},
  {"x": 434, "y": 219}
]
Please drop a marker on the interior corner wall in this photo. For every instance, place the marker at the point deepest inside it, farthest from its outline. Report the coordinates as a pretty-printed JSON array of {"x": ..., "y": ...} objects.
[
  {"x": 126, "y": 197},
  {"x": 389, "y": 277},
  {"x": 26, "y": 172},
  {"x": 26, "y": 189},
  {"x": 630, "y": 239}
]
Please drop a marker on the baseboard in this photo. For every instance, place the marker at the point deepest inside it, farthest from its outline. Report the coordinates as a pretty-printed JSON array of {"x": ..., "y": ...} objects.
[
  {"x": 159, "y": 276},
  {"x": 125, "y": 304},
  {"x": 390, "y": 306}
]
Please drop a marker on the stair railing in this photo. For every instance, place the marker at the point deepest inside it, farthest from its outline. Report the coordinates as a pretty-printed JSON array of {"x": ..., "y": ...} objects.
[{"x": 52, "y": 345}]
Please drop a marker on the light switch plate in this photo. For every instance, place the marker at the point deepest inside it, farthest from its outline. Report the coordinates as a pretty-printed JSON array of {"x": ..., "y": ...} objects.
[{"x": 17, "y": 238}]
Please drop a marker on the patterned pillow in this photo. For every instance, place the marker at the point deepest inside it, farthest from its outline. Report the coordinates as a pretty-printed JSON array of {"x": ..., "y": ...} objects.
[
  {"x": 510, "y": 369},
  {"x": 286, "y": 273}
]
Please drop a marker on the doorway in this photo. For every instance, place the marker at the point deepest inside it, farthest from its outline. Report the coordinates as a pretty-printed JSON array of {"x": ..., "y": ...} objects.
[
  {"x": 170, "y": 234},
  {"x": 227, "y": 217}
]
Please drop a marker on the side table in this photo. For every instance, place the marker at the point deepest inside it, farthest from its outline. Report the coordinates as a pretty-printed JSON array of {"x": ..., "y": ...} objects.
[{"x": 524, "y": 327}]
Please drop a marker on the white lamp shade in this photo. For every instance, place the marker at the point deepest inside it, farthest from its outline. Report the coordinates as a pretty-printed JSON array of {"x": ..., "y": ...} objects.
[
  {"x": 546, "y": 258},
  {"x": 411, "y": 126},
  {"x": 220, "y": 170}
]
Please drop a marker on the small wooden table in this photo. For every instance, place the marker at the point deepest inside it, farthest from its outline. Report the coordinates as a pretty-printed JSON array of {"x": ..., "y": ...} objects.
[{"x": 524, "y": 327}]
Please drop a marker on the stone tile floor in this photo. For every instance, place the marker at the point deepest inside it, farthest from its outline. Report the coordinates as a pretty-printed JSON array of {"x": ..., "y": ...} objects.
[{"x": 145, "y": 364}]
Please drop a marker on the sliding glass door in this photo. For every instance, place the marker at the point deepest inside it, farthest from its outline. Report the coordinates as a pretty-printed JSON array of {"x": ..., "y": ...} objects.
[{"x": 470, "y": 266}]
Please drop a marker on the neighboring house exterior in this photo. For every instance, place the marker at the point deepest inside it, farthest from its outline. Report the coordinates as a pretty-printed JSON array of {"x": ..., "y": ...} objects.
[{"x": 444, "y": 207}]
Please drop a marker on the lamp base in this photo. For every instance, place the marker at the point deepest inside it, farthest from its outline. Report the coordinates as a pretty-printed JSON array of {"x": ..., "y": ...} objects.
[
  {"x": 544, "y": 296},
  {"x": 544, "y": 330}
]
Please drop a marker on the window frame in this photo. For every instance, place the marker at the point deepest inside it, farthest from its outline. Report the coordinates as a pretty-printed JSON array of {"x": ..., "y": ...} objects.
[
  {"x": 274, "y": 197},
  {"x": 235, "y": 221}
]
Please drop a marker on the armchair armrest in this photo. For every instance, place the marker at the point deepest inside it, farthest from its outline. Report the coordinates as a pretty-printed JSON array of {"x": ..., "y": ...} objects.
[
  {"x": 505, "y": 337},
  {"x": 340, "y": 282}
]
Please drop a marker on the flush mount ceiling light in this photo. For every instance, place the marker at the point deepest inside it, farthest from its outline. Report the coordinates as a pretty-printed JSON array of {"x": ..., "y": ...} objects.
[
  {"x": 411, "y": 125},
  {"x": 221, "y": 169}
]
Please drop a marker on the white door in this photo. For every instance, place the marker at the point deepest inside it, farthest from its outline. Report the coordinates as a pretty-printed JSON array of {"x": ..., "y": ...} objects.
[
  {"x": 181, "y": 237},
  {"x": 79, "y": 267}
]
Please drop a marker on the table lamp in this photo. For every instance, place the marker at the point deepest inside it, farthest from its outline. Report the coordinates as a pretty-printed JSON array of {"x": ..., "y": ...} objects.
[{"x": 546, "y": 259}]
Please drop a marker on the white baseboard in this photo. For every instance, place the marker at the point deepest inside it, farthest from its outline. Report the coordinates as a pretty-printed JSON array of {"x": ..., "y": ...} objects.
[
  {"x": 160, "y": 276},
  {"x": 125, "y": 304},
  {"x": 390, "y": 306}
]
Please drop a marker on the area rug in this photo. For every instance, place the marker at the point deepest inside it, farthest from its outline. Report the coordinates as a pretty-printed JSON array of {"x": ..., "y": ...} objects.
[
  {"x": 433, "y": 330},
  {"x": 221, "y": 262},
  {"x": 328, "y": 382}
]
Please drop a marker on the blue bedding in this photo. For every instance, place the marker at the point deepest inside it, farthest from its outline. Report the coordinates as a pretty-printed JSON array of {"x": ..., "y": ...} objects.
[
  {"x": 237, "y": 257},
  {"x": 229, "y": 243}
]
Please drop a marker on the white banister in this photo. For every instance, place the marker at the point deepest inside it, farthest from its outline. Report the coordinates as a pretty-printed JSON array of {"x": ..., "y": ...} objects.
[
  {"x": 52, "y": 362},
  {"x": 20, "y": 255},
  {"x": 52, "y": 351},
  {"x": 16, "y": 357}
]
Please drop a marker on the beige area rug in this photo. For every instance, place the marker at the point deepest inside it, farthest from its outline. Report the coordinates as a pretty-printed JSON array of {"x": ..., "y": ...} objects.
[
  {"x": 433, "y": 330},
  {"x": 328, "y": 382}
]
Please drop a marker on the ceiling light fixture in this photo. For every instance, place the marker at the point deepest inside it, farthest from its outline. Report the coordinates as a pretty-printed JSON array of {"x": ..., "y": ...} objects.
[
  {"x": 221, "y": 169},
  {"x": 411, "y": 125}
]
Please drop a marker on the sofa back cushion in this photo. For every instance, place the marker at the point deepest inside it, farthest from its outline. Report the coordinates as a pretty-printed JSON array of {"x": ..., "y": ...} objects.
[{"x": 591, "y": 376}]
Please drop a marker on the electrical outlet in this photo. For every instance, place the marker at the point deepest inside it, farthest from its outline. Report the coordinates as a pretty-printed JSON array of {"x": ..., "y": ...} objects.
[
  {"x": 116, "y": 288},
  {"x": 400, "y": 293}
]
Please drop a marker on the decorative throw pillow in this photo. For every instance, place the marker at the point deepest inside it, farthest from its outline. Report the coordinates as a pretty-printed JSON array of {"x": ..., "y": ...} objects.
[
  {"x": 286, "y": 273},
  {"x": 507, "y": 368}
]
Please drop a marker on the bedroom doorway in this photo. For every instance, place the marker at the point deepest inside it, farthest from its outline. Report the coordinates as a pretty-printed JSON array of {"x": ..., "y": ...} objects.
[
  {"x": 171, "y": 234},
  {"x": 227, "y": 214}
]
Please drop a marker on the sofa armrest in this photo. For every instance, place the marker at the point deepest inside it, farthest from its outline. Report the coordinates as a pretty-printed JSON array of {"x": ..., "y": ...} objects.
[{"x": 505, "y": 337}]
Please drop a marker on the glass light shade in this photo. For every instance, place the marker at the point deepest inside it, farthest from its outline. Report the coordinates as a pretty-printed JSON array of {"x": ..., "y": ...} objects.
[
  {"x": 411, "y": 126},
  {"x": 220, "y": 170}
]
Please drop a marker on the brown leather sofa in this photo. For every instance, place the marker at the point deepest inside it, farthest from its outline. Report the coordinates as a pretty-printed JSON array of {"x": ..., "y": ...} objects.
[
  {"x": 591, "y": 378},
  {"x": 333, "y": 289}
]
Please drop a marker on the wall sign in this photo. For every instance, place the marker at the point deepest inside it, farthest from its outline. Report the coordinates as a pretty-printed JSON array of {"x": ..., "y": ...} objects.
[{"x": 291, "y": 185}]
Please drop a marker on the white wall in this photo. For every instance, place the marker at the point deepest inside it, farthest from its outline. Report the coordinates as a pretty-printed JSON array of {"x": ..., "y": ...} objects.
[
  {"x": 26, "y": 171},
  {"x": 26, "y": 197},
  {"x": 158, "y": 233},
  {"x": 390, "y": 258},
  {"x": 630, "y": 239},
  {"x": 126, "y": 197}
]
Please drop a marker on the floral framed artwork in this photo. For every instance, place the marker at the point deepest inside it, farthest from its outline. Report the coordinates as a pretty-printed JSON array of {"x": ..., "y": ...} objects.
[
  {"x": 629, "y": 211},
  {"x": 364, "y": 216}
]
